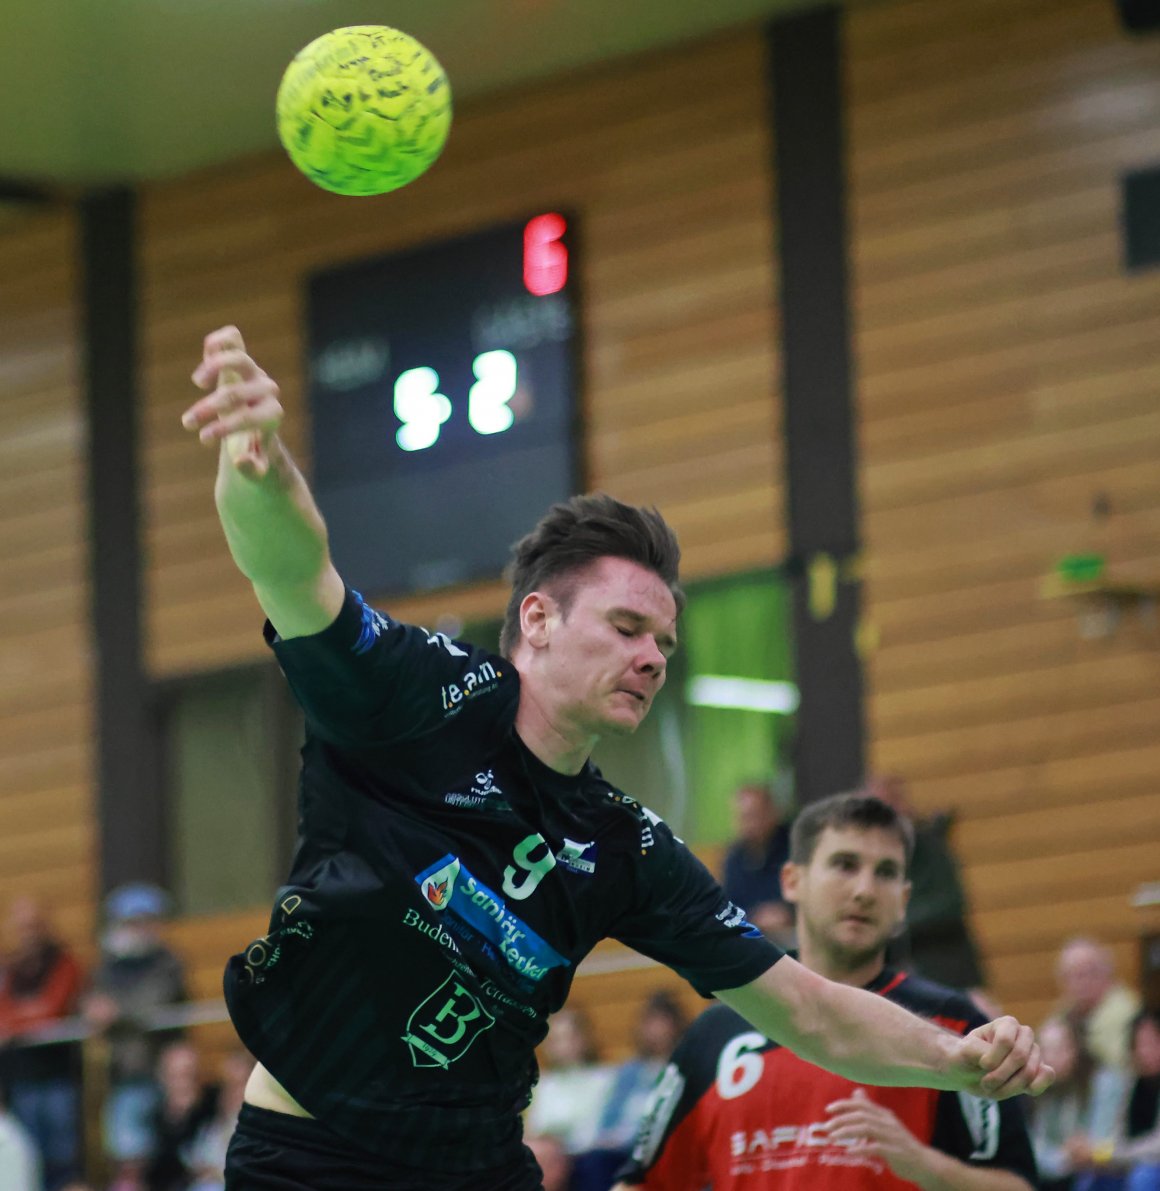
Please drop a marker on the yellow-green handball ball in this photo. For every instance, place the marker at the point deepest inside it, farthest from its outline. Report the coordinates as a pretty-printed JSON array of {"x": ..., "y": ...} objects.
[{"x": 364, "y": 110}]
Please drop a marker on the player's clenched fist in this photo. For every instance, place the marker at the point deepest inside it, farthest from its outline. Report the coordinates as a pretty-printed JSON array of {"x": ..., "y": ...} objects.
[
  {"x": 242, "y": 407},
  {"x": 1002, "y": 1059}
]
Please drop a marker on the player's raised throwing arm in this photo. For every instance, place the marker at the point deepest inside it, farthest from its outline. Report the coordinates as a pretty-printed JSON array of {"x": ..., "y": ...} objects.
[
  {"x": 274, "y": 529},
  {"x": 866, "y": 1038}
]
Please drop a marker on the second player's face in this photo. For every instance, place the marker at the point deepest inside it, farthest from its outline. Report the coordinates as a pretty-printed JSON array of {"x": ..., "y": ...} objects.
[
  {"x": 610, "y": 651},
  {"x": 852, "y": 895}
]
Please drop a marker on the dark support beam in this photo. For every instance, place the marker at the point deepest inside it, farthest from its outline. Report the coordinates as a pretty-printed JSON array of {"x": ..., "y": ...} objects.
[
  {"x": 806, "y": 93},
  {"x": 129, "y": 806}
]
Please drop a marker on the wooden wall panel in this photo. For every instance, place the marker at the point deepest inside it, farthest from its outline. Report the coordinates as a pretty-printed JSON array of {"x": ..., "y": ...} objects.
[
  {"x": 673, "y": 193},
  {"x": 1009, "y": 371},
  {"x": 47, "y": 841}
]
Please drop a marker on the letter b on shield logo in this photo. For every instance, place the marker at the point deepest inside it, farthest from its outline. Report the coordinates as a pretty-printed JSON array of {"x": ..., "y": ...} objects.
[{"x": 443, "y": 1026}]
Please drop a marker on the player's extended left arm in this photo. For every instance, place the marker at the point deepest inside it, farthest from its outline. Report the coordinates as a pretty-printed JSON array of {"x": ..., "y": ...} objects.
[{"x": 870, "y": 1040}]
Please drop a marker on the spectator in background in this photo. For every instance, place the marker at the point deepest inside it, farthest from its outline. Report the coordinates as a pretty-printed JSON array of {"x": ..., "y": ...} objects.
[
  {"x": 1089, "y": 995},
  {"x": 752, "y": 877},
  {"x": 40, "y": 983},
  {"x": 136, "y": 975},
  {"x": 1131, "y": 1161},
  {"x": 571, "y": 1093},
  {"x": 20, "y": 1168},
  {"x": 555, "y": 1161},
  {"x": 186, "y": 1106},
  {"x": 659, "y": 1028},
  {"x": 937, "y": 942},
  {"x": 206, "y": 1154},
  {"x": 1084, "y": 1102}
]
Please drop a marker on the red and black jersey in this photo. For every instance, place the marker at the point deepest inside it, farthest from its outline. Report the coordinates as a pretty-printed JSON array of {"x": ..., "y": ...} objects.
[{"x": 736, "y": 1112}]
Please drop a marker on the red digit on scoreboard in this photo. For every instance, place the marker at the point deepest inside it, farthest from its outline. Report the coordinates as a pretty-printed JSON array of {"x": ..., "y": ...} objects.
[{"x": 545, "y": 256}]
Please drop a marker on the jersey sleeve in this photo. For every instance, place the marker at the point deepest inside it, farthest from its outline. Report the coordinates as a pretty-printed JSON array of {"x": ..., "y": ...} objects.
[
  {"x": 369, "y": 681},
  {"x": 982, "y": 1132},
  {"x": 678, "y": 915}
]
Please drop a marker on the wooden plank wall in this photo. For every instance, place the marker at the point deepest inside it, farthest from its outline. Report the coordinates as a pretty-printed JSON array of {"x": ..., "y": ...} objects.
[
  {"x": 47, "y": 841},
  {"x": 673, "y": 193},
  {"x": 1010, "y": 370}
]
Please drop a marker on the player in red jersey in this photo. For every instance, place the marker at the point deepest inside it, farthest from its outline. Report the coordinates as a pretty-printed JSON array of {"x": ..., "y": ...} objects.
[{"x": 736, "y": 1112}]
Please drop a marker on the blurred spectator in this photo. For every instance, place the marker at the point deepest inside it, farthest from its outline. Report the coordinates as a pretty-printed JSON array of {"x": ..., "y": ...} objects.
[
  {"x": 40, "y": 984},
  {"x": 206, "y": 1154},
  {"x": 1090, "y": 996},
  {"x": 753, "y": 862},
  {"x": 659, "y": 1028},
  {"x": 187, "y": 1105},
  {"x": 135, "y": 975},
  {"x": 555, "y": 1162},
  {"x": 1131, "y": 1162},
  {"x": 568, "y": 1099},
  {"x": 20, "y": 1168},
  {"x": 1085, "y": 1101},
  {"x": 937, "y": 943}
]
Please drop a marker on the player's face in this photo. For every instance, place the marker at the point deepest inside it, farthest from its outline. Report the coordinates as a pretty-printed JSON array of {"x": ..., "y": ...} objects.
[
  {"x": 609, "y": 652},
  {"x": 852, "y": 895}
]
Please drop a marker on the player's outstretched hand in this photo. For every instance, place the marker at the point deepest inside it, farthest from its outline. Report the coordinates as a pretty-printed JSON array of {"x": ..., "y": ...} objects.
[
  {"x": 1001, "y": 1059},
  {"x": 242, "y": 406},
  {"x": 858, "y": 1120}
]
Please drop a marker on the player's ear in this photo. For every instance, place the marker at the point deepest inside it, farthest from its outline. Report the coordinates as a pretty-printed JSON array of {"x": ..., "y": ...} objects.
[
  {"x": 537, "y": 613},
  {"x": 790, "y": 879}
]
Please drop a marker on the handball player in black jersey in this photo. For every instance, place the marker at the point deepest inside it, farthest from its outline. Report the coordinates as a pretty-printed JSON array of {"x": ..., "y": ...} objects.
[
  {"x": 459, "y": 855},
  {"x": 734, "y": 1111}
]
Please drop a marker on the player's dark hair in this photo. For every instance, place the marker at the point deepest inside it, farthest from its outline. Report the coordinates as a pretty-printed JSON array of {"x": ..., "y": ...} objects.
[
  {"x": 862, "y": 811},
  {"x": 573, "y": 535}
]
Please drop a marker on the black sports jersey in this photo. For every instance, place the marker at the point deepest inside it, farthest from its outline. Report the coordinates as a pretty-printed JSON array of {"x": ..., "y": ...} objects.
[
  {"x": 445, "y": 885},
  {"x": 735, "y": 1112}
]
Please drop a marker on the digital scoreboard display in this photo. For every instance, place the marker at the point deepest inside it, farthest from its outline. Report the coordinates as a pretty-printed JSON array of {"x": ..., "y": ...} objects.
[{"x": 443, "y": 402}]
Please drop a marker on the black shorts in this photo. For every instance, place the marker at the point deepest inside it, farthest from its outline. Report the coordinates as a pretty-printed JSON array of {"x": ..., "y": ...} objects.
[{"x": 271, "y": 1151}]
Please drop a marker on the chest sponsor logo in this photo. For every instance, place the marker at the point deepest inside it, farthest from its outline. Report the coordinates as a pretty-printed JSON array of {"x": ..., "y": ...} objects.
[
  {"x": 478, "y": 792},
  {"x": 443, "y": 1026},
  {"x": 433, "y": 930},
  {"x": 484, "y": 678},
  {"x": 577, "y": 857},
  {"x": 474, "y": 914}
]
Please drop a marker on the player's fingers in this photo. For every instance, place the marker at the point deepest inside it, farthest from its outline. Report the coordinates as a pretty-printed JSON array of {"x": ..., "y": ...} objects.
[
  {"x": 1022, "y": 1052},
  {"x": 990, "y": 1045},
  {"x": 234, "y": 360},
  {"x": 227, "y": 424},
  {"x": 848, "y": 1104},
  {"x": 1043, "y": 1080},
  {"x": 224, "y": 339},
  {"x": 1030, "y": 1076},
  {"x": 260, "y": 395}
]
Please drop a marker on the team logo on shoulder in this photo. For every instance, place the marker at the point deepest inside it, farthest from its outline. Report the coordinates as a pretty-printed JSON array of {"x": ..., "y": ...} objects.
[
  {"x": 484, "y": 678},
  {"x": 733, "y": 915},
  {"x": 372, "y": 627},
  {"x": 437, "y": 887},
  {"x": 578, "y": 858},
  {"x": 443, "y": 1026}
]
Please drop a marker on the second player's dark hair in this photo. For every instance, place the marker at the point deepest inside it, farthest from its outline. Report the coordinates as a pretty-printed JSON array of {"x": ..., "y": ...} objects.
[
  {"x": 855, "y": 809},
  {"x": 574, "y": 534}
]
